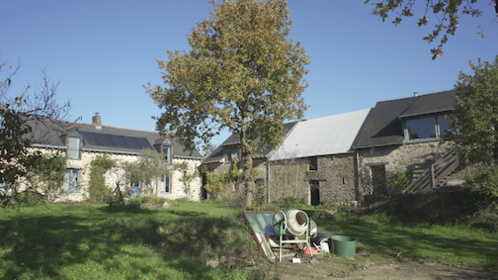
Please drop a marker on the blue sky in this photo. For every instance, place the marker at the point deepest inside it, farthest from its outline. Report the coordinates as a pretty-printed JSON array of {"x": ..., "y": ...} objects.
[{"x": 103, "y": 52}]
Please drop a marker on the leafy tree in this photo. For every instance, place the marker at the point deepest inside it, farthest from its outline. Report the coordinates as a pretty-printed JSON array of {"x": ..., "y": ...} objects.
[
  {"x": 48, "y": 174},
  {"x": 445, "y": 12},
  {"x": 476, "y": 113},
  {"x": 149, "y": 166},
  {"x": 216, "y": 183},
  {"x": 16, "y": 159},
  {"x": 475, "y": 122},
  {"x": 242, "y": 74}
]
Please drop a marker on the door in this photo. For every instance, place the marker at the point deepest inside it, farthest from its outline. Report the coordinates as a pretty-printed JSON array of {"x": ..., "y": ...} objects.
[
  {"x": 314, "y": 193},
  {"x": 379, "y": 179}
]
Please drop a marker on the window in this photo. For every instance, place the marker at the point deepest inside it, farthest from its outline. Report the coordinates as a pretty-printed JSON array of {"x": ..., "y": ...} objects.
[
  {"x": 167, "y": 154},
  {"x": 233, "y": 153},
  {"x": 166, "y": 184},
  {"x": 432, "y": 127},
  {"x": 136, "y": 188},
  {"x": 73, "y": 147},
  {"x": 71, "y": 178},
  {"x": 313, "y": 164},
  {"x": 443, "y": 125}
]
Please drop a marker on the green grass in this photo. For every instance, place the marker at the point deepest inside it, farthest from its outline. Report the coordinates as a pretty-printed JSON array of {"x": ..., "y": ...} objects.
[
  {"x": 103, "y": 242},
  {"x": 457, "y": 244}
]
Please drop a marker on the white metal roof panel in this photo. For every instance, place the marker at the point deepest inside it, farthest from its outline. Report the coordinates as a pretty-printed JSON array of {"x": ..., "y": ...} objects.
[{"x": 323, "y": 136}]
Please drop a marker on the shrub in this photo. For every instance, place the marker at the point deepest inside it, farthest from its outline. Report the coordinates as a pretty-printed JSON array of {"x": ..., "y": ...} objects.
[
  {"x": 398, "y": 181},
  {"x": 153, "y": 201},
  {"x": 98, "y": 190},
  {"x": 289, "y": 203},
  {"x": 485, "y": 181}
]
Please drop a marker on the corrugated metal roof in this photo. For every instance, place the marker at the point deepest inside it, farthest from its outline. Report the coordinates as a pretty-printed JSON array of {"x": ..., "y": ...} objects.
[{"x": 323, "y": 136}]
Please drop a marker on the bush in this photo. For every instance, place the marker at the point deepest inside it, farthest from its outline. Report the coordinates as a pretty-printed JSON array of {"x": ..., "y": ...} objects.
[
  {"x": 486, "y": 216},
  {"x": 98, "y": 189},
  {"x": 398, "y": 181},
  {"x": 289, "y": 203},
  {"x": 485, "y": 181},
  {"x": 29, "y": 198},
  {"x": 153, "y": 201}
]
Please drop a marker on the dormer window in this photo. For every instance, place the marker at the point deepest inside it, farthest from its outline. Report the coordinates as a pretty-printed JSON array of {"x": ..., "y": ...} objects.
[
  {"x": 233, "y": 153},
  {"x": 426, "y": 128},
  {"x": 73, "y": 145},
  {"x": 167, "y": 154}
]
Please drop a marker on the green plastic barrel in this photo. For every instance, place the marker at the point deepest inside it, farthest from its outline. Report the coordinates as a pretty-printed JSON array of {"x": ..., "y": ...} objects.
[{"x": 343, "y": 246}]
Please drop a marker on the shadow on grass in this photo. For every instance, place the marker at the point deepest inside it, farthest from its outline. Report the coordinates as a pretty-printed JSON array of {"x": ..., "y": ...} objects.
[
  {"x": 111, "y": 242},
  {"x": 415, "y": 240}
]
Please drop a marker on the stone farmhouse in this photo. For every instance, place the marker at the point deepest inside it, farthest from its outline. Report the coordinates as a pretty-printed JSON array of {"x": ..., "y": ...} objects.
[
  {"x": 315, "y": 161},
  {"x": 81, "y": 143},
  {"x": 222, "y": 159},
  {"x": 344, "y": 158},
  {"x": 406, "y": 135}
]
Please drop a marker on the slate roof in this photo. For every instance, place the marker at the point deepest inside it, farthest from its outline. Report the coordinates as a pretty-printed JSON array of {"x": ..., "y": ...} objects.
[
  {"x": 330, "y": 135},
  {"x": 218, "y": 156},
  {"x": 109, "y": 139},
  {"x": 384, "y": 126}
]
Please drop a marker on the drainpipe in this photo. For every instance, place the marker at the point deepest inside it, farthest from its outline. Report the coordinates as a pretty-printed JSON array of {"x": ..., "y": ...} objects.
[
  {"x": 268, "y": 180},
  {"x": 357, "y": 175}
]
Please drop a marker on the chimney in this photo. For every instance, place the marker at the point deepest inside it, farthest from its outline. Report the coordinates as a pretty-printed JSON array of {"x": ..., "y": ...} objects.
[
  {"x": 415, "y": 94},
  {"x": 97, "y": 121}
]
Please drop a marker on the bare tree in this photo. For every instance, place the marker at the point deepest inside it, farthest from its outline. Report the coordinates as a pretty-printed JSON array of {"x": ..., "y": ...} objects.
[{"x": 16, "y": 160}]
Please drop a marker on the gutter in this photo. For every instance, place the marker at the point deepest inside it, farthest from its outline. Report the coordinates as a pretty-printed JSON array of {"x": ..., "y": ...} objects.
[{"x": 48, "y": 146}]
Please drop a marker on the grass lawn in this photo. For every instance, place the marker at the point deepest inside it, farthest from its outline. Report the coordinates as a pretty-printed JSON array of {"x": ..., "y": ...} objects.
[
  {"x": 452, "y": 245},
  {"x": 103, "y": 242}
]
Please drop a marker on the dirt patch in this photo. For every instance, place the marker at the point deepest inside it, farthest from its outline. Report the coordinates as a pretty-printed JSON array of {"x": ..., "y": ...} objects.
[
  {"x": 340, "y": 268},
  {"x": 422, "y": 271}
]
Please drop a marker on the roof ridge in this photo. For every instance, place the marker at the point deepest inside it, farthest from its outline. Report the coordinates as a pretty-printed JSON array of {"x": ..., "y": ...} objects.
[
  {"x": 89, "y": 124},
  {"x": 339, "y": 114},
  {"x": 411, "y": 97}
]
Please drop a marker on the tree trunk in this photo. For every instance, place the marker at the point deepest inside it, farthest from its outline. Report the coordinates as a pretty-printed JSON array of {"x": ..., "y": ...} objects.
[
  {"x": 247, "y": 153},
  {"x": 120, "y": 194},
  {"x": 248, "y": 180}
]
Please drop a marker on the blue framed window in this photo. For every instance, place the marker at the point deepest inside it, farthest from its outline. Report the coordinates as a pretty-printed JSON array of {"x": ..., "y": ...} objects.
[
  {"x": 71, "y": 179},
  {"x": 167, "y": 154},
  {"x": 73, "y": 146},
  {"x": 136, "y": 188},
  {"x": 166, "y": 184}
]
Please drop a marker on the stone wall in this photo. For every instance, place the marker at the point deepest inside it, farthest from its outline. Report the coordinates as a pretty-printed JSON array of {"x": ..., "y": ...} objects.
[
  {"x": 408, "y": 157},
  {"x": 287, "y": 179},
  {"x": 117, "y": 176},
  {"x": 234, "y": 191},
  {"x": 335, "y": 178},
  {"x": 177, "y": 187}
]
